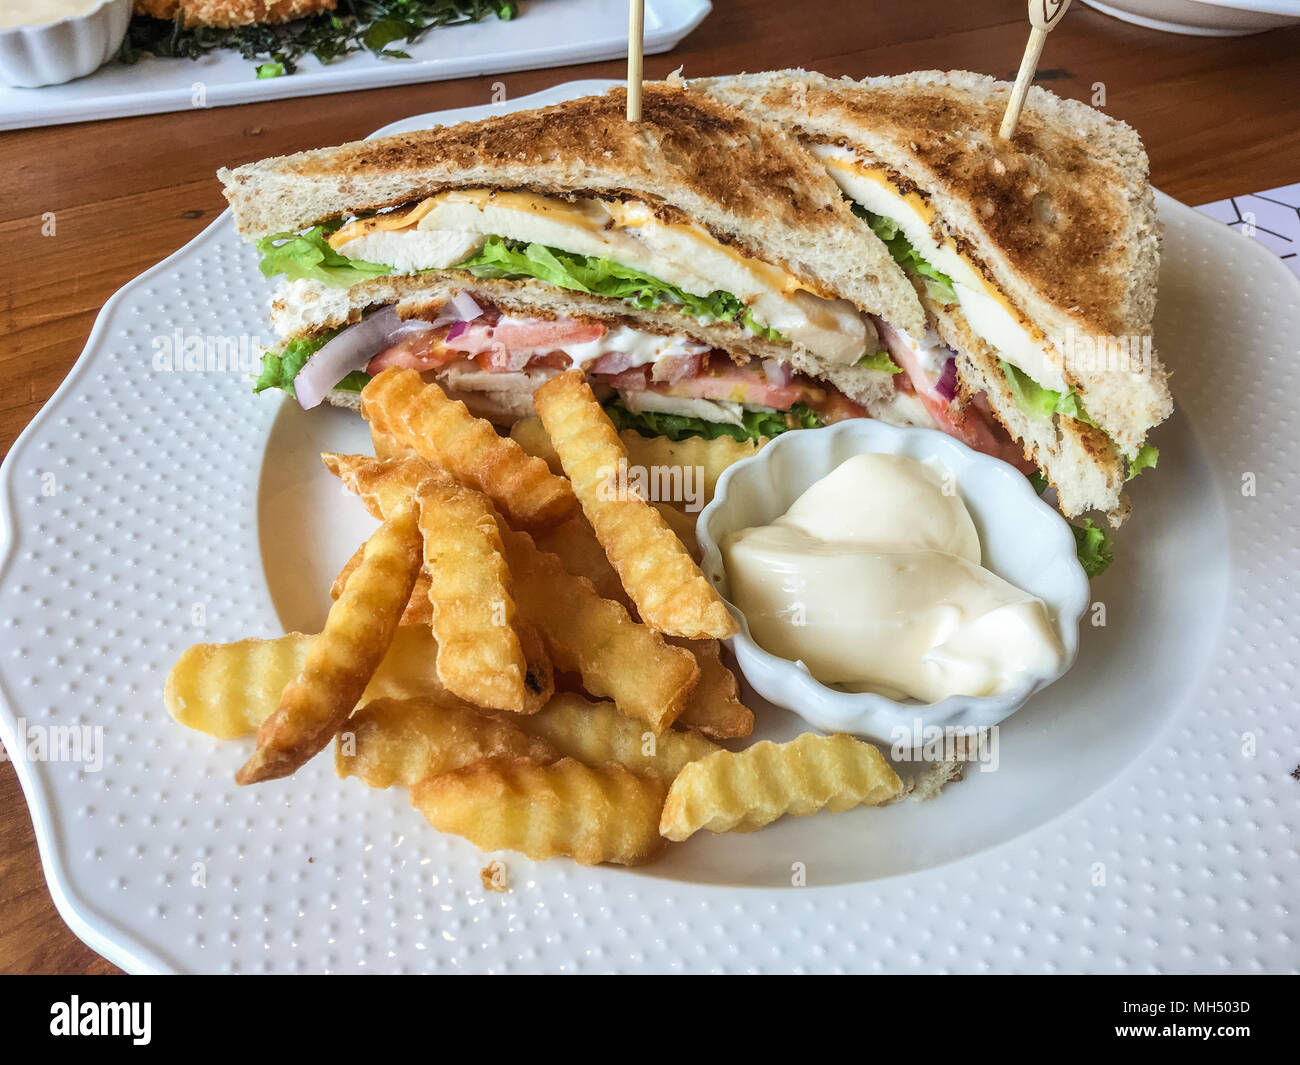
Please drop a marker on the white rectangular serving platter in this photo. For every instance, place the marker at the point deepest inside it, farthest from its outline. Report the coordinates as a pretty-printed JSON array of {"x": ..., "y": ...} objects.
[
  {"x": 545, "y": 33},
  {"x": 1142, "y": 817}
]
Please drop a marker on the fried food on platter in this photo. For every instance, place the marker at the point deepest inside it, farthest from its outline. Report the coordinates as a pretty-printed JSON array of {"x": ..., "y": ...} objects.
[
  {"x": 617, "y": 658},
  {"x": 595, "y": 733},
  {"x": 682, "y": 525},
  {"x": 479, "y": 656},
  {"x": 708, "y": 458},
  {"x": 342, "y": 660},
  {"x": 388, "y": 447},
  {"x": 400, "y": 741},
  {"x": 382, "y": 484},
  {"x": 538, "y": 673},
  {"x": 228, "y": 689},
  {"x": 714, "y": 707},
  {"x": 419, "y": 611},
  {"x": 575, "y": 544},
  {"x": 728, "y": 792},
  {"x": 670, "y": 592},
  {"x": 420, "y": 416},
  {"x": 593, "y": 815},
  {"x": 530, "y": 434},
  {"x": 225, "y": 14}
]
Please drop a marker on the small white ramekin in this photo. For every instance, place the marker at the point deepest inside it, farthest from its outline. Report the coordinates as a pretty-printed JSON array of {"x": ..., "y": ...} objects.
[
  {"x": 1025, "y": 541},
  {"x": 72, "y": 47}
]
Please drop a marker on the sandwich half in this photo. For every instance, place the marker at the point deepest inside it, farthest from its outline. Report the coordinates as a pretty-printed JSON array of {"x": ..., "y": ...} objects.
[
  {"x": 700, "y": 266},
  {"x": 1035, "y": 258}
]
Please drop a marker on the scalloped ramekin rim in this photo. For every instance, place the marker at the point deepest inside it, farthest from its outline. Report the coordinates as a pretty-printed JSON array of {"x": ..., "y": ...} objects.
[{"x": 865, "y": 712}]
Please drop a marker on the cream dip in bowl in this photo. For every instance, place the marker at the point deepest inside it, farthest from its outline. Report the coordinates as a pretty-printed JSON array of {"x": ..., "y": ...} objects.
[{"x": 884, "y": 577}]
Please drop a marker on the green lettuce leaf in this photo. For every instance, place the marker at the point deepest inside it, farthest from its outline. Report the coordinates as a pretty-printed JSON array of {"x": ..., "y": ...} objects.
[
  {"x": 937, "y": 283},
  {"x": 757, "y": 423},
  {"x": 512, "y": 260},
  {"x": 308, "y": 255},
  {"x": 1040, "y": 402},
  {"x": 279, "y": 370},
  {"x": 879, "y": 361},
  {"x": 1147, "y": 457},
  {"x": 1092, "y": 545}
]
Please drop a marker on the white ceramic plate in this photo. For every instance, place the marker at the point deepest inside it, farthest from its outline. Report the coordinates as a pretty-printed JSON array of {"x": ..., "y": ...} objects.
[
  {"x": 1203, "y": 18},
  {"x": 546, "y": 33},
  {"x": 1143, "y": 815}
]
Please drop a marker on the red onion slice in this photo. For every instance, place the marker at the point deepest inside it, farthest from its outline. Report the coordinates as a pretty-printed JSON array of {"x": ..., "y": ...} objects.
[
  {"x": 350, "y": 350},
  {"x": 460, "y": 308},
  {"x": 353, "y": 348},
  {"x": 946, "y": 386},
  {"x": 462, "y": 303},
  {"x": 778, "y": 373}
]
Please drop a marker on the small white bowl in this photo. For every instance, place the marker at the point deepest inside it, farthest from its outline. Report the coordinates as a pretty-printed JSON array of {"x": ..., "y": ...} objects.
[
  {"x": 1024, "y": 540},
  {"x": 71, "y": 47}
]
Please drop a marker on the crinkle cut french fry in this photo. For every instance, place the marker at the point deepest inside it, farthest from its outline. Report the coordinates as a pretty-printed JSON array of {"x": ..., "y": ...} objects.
[
  {"x": 730, "y": 792},
  {"x": 342, "y": 660},
  {"x": 593, "y": 815},
  {"x": 479, "y": 656},
  {"x": 530, "y": 434},
  {"x": 229, "y": 689},
  {"x": 420, "y": 416},
  {"x": 400, "y": 741},
  {"x": 576, "y": 546},
  {"x": 709, "y": 458},
  {"x": 616, "y": 657},
  {"x": 595, "y": 733},
  {"x": 419, "y": 611},
  {"x": 539, "y": 676},
  {"x": 670, "y": 592},
  {"x": 388, "y": 447},
  {"x": 383, "y": 483},
  {"x": 682, "y": 525},
  {"x": 583, "y": 633},
  {"x": 714, "y": 706}
]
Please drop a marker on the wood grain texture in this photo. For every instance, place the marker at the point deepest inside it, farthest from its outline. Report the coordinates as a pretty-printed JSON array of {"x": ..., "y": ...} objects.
[{"x": 1219, "y": 117}]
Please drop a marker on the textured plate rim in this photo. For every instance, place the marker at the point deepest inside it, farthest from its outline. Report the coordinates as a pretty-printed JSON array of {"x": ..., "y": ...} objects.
[{"x": 118, "y": 944}]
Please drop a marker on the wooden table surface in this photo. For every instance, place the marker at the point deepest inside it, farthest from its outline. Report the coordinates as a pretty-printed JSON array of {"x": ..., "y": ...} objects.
[{"x": 1219, "y": 117}]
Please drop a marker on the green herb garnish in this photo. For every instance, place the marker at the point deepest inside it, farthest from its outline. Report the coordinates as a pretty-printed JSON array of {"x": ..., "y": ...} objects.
[{"x": 354, "y": 26}]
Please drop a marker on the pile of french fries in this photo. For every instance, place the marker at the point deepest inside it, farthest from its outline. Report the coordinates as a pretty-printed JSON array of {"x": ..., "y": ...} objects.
[{"x": 534, "y": 656}]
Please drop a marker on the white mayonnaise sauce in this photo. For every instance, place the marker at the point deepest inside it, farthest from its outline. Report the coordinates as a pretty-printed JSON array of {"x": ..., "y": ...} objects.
[{"x": 872, "y": 580}]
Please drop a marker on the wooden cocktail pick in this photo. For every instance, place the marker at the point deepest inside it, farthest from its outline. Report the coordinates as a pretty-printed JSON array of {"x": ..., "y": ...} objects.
[
  {"x": 1043, "y": 17},
  {"x": 635, "y": 47}
]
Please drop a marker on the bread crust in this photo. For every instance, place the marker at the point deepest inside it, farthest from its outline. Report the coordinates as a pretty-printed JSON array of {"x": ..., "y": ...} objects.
[
  {"x": 747, "y": 183},
  {"x": 1062, "y": 216},
  {"x": 1080, "y": 462}
]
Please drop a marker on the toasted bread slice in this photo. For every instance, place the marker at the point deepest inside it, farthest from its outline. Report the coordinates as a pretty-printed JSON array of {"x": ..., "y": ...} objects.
[
  {"x": 748, "y": 184},
  {"x": 1061, "y": 218},
  {"x": 1081, "y": 462}
]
